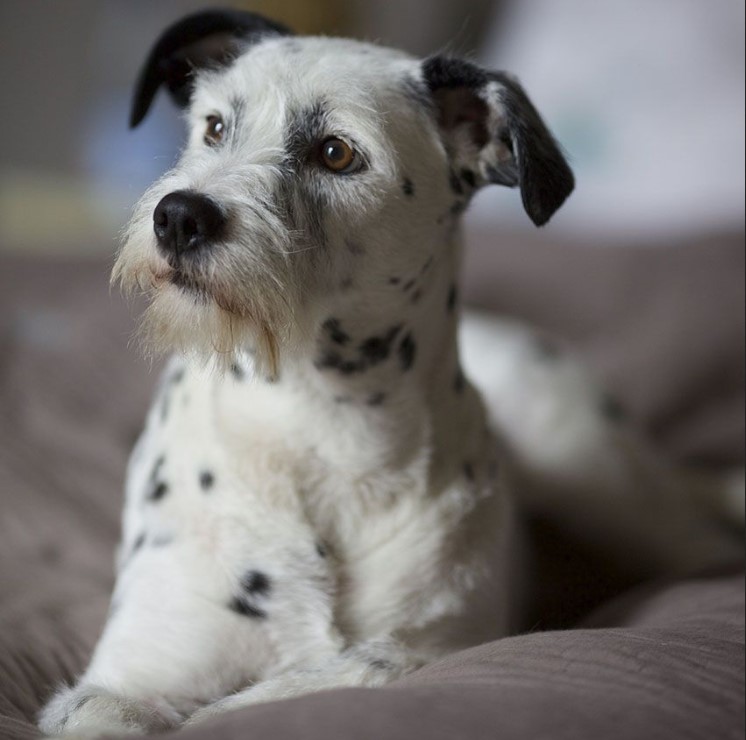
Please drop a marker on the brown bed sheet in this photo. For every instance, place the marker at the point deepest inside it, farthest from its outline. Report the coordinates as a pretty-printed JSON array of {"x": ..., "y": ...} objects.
[{"x": 663, "y": 327}]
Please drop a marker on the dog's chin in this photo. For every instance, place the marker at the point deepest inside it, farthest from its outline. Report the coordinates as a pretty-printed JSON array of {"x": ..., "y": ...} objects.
[
  {"x": 193, "y": 287},
  {"x": 191, "y": 314}
]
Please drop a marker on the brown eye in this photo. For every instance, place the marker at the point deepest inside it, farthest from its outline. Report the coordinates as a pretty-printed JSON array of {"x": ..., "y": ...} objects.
[
  {"x": 215, "y": 130},
  {"x": 338, "y": 156}
]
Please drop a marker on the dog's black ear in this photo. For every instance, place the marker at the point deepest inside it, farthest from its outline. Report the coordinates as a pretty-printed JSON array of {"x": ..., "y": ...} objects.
[
  {"x": 492, "y": 131},
  {"x": 204, "y": 39}
]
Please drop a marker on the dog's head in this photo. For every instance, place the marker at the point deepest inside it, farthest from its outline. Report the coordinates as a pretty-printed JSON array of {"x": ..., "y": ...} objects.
[{"x": 313, "y": 166}]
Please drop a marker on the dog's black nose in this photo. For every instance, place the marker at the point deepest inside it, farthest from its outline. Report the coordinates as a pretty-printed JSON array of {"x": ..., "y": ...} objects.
[{"x": 185, "y": 221}]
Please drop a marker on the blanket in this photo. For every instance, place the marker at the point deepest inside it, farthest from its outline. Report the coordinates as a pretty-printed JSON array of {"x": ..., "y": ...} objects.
[{"x": 664, "y": 329}]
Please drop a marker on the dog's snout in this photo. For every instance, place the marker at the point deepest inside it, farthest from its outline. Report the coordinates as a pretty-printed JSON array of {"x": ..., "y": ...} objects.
[{"x": 185, "y": 221}]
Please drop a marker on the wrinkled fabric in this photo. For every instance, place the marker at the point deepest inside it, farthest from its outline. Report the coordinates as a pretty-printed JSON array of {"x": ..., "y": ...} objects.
[{"x": 663, "y": 328}]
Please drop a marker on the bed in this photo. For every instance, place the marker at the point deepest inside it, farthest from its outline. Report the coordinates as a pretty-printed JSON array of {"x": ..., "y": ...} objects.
[{"x": 606, "y": 657}]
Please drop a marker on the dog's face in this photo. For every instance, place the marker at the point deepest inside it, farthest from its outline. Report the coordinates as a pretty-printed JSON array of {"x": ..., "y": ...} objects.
[{"x": 314, "y": 167}]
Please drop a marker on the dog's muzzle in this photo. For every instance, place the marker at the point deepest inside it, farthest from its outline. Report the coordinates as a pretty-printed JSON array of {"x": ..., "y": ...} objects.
[{"x": 185, "y": 221}]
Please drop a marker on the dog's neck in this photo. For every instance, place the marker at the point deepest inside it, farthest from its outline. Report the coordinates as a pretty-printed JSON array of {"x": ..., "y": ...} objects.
[{"x": 380, "y": 383}]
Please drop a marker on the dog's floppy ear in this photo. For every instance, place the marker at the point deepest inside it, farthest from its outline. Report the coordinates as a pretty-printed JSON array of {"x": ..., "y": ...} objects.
[
  {"x": 493, "y": 132},
  {"x": 204, "y": 39}
]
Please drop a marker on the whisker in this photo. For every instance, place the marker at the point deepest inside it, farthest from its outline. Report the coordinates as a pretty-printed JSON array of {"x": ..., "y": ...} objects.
[{"x": 298, "y": 251}]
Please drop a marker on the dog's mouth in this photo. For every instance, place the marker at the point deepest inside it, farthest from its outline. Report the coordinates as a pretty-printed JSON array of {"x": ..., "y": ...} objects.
[
  {"x": 187, "y": 283},
  {"x": 205, "y": 308},
  {"x": 198, "y": 288}
]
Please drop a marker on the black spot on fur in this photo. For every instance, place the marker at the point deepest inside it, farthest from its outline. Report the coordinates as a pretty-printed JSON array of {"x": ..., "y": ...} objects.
[
  {"x": 377, "y": 399},
  {"x": 469, "y": 178},
  {"x": 343, "y": 400},
  {"x": 157, "y": 488},
  {"x": 428, "y": 264},
  {"x": 416, "y": 296},
  {"x": 256, "y": 582},
  {"x": 355, "y": 248},
  {"x": 394, "y": 281},
  {"x": 452, "y": 299},
  {"x": 335, "y": 361},
  {"x": 408, "y": 187},
  {"x": 333, "y": 328},
  {"x": 613, "y": 409},
  {"x": 407, "y": 352},
  {"x": 245, "y": 608},
  {"x": 255, "y": 586},
  {"x": 206, "y": 480},
  {"x": 469, "y": 472},
  {"x": 378, "y": 349},
  {"x": 371, "y": 352},
  {"x": 409, "y": 285},
  {"x": 237, "y": 372},
  {"x": 158, "y": 491},
  {"x": 322, "y": 550}
]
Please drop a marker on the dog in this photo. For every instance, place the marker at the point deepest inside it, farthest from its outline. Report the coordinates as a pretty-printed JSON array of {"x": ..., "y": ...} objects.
[{"x": 321, "y": 497}]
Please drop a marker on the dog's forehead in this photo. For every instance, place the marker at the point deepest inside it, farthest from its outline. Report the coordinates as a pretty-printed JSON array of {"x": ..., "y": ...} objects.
[{"x": 302, "y": 70}]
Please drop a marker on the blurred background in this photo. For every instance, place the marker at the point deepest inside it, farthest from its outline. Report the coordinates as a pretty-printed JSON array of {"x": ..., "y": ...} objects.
[
  {"x": 642, "y": 270},
  {"x": 647, "y": 98}
]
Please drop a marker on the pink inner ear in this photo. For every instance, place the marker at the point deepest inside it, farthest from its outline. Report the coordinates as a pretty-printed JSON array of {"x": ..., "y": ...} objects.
[{"x": 461, "y": 107}]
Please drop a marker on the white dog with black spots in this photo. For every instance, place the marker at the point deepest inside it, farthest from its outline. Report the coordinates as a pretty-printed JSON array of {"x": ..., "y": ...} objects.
[{"x": 320, "y": 497}]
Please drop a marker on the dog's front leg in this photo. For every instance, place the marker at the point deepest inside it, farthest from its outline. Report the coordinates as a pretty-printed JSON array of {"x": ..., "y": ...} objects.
[
  {"x": 369, "y": 664},
  {"x": 88, "y": 711}
]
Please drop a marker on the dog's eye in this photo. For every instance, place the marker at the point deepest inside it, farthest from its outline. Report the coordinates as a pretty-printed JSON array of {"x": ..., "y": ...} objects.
[
  {"x": 215, "y": 130},
  {"x": 338, "y": 156}
]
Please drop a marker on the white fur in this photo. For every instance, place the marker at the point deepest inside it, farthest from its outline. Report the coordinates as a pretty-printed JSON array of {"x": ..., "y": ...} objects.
[{"x": 385, "y": 528}]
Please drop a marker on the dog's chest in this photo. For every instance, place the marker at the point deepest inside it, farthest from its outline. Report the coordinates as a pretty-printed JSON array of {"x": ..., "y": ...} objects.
[{"x": 247, "y": 490}]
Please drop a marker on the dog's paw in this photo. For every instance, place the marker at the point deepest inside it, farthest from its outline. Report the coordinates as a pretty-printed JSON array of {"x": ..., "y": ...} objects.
[
  {"x": 88, "y": 712},
  {"x": 371, "y": 664},
  {"x": 228, "y": 704}
]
